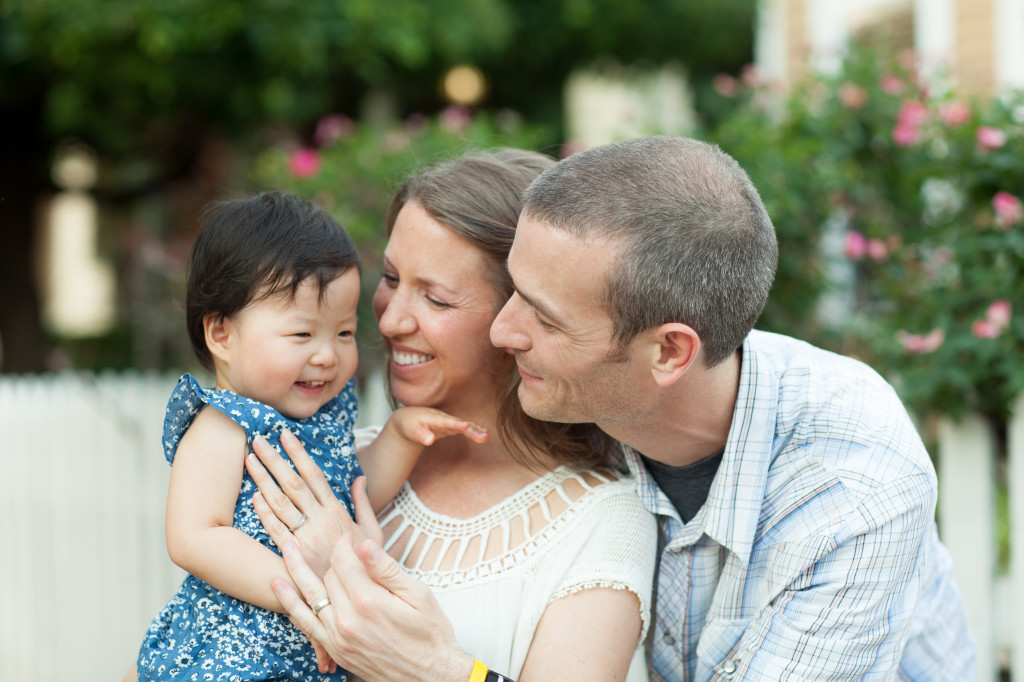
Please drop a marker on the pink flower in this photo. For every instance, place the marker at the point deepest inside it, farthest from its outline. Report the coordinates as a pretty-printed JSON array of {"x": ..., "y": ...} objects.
[
  {"x": 332, "y": 127},
  {"x": 997, "y": 318},
  {"x": 892, "y": 85},
  {"x": 999, "y": 313},
  {"x": 416, "y": 123},
  {"x": 569, "y": 148},
  {"x": 1009, "y": 209},
  {"x": 983, "y": 329},
  {"x": 750, "y": 76},
  {"x": 856, "y": 245},
  {"x": 905, "y": 135},
  {"x": 921, "y": 343},
  {"x": 725, "y": 85},
  {"x": 876, "y": 249},
  {"x": 912, "y": 113},
  {"x": 304, "y": 162},
  {"x": 990, "y": 138},
  {"x": 455, "y": 119},
  {"x": 852, "y": 96},
  {"x": 955, "y": 113}
]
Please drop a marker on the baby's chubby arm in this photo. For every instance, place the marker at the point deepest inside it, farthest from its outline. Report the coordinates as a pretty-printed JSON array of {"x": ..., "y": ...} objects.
[
  {"x": 206, "y": 477},
  {"x": 389, "y": 459}
]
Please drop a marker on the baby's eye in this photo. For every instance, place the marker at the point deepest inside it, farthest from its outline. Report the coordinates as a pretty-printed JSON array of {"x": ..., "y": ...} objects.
[
  {"x": 302, "y": 335},
  {"x": 346, "y": 334}
]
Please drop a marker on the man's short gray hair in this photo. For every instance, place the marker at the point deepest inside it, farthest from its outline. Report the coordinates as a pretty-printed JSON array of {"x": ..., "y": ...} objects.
[{"x": 697, "y": 244}]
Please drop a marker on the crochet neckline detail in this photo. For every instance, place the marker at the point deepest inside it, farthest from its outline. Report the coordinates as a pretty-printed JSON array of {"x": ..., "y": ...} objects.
[{"x": 444, "y": 551}]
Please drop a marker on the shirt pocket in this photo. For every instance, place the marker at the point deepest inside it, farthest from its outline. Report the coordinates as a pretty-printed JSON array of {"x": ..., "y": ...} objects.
[{"x": 718, "y": 651}]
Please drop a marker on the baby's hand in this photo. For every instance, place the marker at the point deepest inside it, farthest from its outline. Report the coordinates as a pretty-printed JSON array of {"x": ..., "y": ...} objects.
[{"x": 424, "y": 425}]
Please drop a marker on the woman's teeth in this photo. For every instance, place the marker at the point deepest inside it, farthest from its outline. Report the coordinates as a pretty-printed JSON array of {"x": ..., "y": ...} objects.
[{"x": 409, "y": 358}]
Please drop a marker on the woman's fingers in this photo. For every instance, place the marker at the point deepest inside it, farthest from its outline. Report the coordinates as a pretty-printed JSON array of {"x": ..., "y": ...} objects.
[
  {"x": 291, "y": 495},
  {"x": 365, "y": 518},
  {"x": 310, "y": 473},
  {"x": 277, "y": 531}
]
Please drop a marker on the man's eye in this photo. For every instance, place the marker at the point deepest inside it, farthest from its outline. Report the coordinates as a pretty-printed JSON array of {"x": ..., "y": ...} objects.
[
  {"x": 436, "y": 303},
  {"x": 546, "y": 325}
]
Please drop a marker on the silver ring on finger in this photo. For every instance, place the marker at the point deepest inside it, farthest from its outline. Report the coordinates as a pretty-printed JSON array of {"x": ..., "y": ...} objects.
[
  {"x": 320, "y": 605},
  {"x": 299, "y": 524}
]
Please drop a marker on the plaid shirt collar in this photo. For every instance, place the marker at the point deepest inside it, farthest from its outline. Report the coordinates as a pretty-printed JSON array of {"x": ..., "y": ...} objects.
[{"x": 732, "y": 511}]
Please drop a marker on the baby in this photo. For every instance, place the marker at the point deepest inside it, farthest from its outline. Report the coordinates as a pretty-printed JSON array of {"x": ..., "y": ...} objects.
[{"x": 273, "y": 286}]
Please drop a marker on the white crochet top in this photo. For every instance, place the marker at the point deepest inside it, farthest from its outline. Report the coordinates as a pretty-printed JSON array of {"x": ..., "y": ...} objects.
[{"x": 494, "y": 573}]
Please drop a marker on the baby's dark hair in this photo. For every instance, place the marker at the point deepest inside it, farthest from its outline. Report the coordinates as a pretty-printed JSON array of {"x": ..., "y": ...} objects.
[{"x": 260, "y": 246}]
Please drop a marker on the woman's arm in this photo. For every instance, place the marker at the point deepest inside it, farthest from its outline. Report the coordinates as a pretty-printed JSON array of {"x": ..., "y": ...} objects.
[
  {"x": 589, "y": 635},
  {"x": 206, "y": 476}
]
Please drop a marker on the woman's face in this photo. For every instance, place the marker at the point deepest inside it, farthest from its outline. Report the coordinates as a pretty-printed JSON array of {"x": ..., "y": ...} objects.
[{"x": 434, "y": 306}]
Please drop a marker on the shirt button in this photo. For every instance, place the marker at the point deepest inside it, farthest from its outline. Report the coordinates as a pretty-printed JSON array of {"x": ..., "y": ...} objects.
[
  {"x": 729, "y": 667},
  {"x": 669, "y": 639}
]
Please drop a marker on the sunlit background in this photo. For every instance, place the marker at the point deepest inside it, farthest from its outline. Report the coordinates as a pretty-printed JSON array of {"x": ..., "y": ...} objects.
[{"x": 886, "y": 138}]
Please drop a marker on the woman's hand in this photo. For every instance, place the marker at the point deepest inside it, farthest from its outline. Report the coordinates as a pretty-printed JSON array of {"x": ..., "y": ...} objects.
[
  {"x": 372, "y": 618},
  {"x": 304, "y": 509}
]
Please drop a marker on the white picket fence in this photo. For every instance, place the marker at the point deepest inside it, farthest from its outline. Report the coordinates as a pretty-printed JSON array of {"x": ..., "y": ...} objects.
[{"x": 84, "y": 568}]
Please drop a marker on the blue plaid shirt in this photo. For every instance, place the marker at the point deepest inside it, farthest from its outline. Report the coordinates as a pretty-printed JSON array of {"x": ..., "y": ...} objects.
[{"x": 815, "y": 555}]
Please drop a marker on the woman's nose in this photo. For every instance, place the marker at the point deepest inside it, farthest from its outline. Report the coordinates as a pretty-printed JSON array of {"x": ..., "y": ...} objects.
[{"x": 393, "y": 314}]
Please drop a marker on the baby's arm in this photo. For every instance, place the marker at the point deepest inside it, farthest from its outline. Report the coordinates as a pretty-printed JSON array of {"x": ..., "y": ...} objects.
[
  {"x": 388, "y": 460},
  {"x": 206, "y": 477}
]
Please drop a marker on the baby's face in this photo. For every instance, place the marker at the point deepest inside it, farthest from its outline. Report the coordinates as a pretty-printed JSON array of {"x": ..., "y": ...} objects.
[{"x": 294, "y": 354}]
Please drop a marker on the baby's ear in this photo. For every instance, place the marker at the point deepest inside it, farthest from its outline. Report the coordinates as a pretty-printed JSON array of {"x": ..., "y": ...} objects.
[{"x": 217, "y": 329}]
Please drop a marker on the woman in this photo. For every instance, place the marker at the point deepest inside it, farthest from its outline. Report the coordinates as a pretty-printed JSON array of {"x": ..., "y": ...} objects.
[{"x": 539, "y": 555}]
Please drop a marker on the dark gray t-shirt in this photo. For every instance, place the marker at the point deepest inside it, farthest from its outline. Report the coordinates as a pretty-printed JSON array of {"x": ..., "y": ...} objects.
[{"x": 686, "y": 487}]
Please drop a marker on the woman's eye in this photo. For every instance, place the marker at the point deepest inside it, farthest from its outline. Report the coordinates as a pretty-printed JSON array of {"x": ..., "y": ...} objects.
[{"x": 389, "y": 278}]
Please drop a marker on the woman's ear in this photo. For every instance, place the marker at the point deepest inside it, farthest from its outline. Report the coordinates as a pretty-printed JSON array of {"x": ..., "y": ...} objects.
[
  {"x": 218, "y": 329},
  {"x": 677, "y": 348}
]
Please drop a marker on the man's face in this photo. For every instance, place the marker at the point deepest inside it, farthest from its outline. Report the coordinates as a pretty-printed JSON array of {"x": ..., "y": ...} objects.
[{"x": 558, "y": 328}]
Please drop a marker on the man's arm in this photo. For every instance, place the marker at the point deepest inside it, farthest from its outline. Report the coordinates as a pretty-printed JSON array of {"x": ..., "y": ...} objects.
[
  {"x": 381, "y": 623},
  {"x": 848, "y": 613}
]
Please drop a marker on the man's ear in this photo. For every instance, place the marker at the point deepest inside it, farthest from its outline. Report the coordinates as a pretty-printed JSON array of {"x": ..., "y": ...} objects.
[
  {"x": 677, "y": 348},
  {"x": 218, "y": 330}
]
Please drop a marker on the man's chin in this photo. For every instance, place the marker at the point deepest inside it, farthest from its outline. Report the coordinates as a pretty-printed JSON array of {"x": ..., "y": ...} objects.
[{"x": 543, "y": 410}]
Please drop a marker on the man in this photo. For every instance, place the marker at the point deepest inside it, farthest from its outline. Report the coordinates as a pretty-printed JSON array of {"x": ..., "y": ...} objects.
[{"x": 794, "y": 497}]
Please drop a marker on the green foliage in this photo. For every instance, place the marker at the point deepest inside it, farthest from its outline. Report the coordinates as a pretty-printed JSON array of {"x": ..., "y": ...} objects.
[
  {"x": 926, "y": 187},
  {"x": 124, "y": 74},
  {"x": 119, "y": 73}
]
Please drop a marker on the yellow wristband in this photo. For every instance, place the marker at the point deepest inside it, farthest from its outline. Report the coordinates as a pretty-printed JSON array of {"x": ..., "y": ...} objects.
[{"x": 479, "y": 673}]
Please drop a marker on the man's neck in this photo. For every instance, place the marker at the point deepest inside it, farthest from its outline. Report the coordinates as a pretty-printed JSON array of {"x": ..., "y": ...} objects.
[{"x": 692, "y": 420}]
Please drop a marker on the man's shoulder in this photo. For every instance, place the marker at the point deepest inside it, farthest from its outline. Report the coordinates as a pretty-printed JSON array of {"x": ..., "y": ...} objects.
[{"x": 836, "y": 417}]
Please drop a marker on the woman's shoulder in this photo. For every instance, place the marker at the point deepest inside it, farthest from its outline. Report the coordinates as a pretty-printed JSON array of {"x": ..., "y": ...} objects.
[
  {"x": 605, "y": 501},
  {"x": 593, "y": 483}
]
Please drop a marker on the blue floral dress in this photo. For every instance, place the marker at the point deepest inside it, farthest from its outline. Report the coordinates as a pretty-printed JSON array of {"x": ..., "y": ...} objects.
[{"x": 202, "y": 633}]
